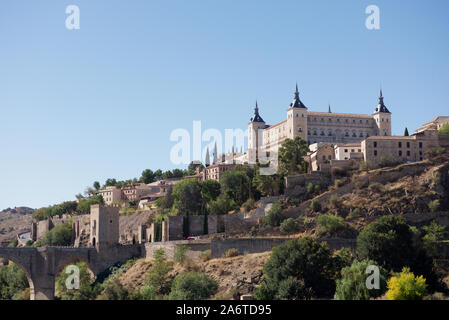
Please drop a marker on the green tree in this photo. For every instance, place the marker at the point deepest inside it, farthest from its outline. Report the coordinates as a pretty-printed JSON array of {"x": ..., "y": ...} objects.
[
  {"x": 83, "y": 206},
  {"x": 147, "y": 176},
  {"x": 222, "y": 205},
  {"x": 303, "y": 259},
  {"x": 444, "y": 129},
  {"x": 188, "y": 198},
  {"x": 58, "y": 236},
  {"x": 210, "y": 190},
  {"x": 406, "y": 132},
  {"x": 434, "y": 233},
  {"x": 86, "y": 289},
  {"x": 13, "y": 282},
  {"x": 291, "y": 156},
  {"x": 391, "y": 242},
  {"x": 159, "y": 276},
  {"x": 192, "y": 286},
  {"x": 289, "y": 225},
  {"x": 167, "y": 201},
  {"x": 274, "y": 216},
  {"x": 268, "y": 185},
  {"x": 237, "y": 185},
  {"x": 352, "y": 283},
  {"x": 96, "y": 185},
  {"x": 114, "y": 290}
]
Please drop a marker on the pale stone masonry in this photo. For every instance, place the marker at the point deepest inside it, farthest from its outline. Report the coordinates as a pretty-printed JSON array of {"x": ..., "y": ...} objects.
[{"x": 315, "y": 127}]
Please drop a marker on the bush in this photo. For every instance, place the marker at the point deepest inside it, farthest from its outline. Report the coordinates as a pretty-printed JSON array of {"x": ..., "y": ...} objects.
[
  {"x": 444, "y": 129},
  {"x": 434, "y": 205},
  {"x": 315, "y": 206},
  {"x": 12, "y": 281},
  {"x": 434, "y": 233},
  {"x": 192, "y": 286},
  {"x": 352, "y": 284},
  {"x": 205, "y": 255},
  {"x": 289, "y": 225},
  {"x": 330, "y": 223},
  {"x": 405, "y": 286},
  {"x": 86, "y": 289},
  {"x": 335, "y": 202},
  {"x": 376, "y": 187},
  {"x": 58, "y": 236},
  {"x": 293, "y": 289},
  {"x": 249, "y": 205},
  {"x": 274, "y": 216},
  {"x": 114, "y": 290},
  {"x": 390, "y": 241},
  {"x": 354, "y": 213},
  {"x": 222, "y": 205},
  {"x": 365, "y": 166},
  {"x": 304, "y": 259},
  {"x": 180, "y": 255},
  {"x": 232, "y": 253},
  {"x": 13, "y": 243}
]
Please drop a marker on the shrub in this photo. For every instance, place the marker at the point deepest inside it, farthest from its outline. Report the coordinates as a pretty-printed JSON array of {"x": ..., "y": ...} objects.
[
  {"x": 389, "y": 241},
  {"x": 86, "y": 289},
  {"x": 444, "y": 129},
  {"x": 434, "y": 205},
  {"x": 342, "y": 258},
  {"x": 222, "y": 205},
  {"x": 114, "y": 290},
  {"x": 293, "y": 289},
  {"x": 376, "y": 187},
  {"x": 304, "y": 259},
  {"x": 354, "y": 213},
  {"x": 232, "y": 253},
  {"x": 158, "y": 276},
  {"x": 388, "y": 161},
  {"x": 365, "y": 166},
  {"x": 58, "y": 236},
  {"x": 180, "y": 255},
  {"x": 13, "y": 243},
  {"x": 335, "y": 202},
  {"x": 330, "y": 223},
  {"x": 310, "y": 188},
  {"x": 12, "y": 281},
  {"x": 274, "y": 216},
  {"x": 205, "y": 255},
  {"x": 405, "y": 286},
  {"x": 192, "y": 286},
  {"x": 315, "y": 206},
  {"x": 338, "y": 183},
  {"x": 249, "y": 205},
  {"x": 434, "y": 233},
  {"x": 289, "y": 225},
  {"x": 352, "y": 283}
]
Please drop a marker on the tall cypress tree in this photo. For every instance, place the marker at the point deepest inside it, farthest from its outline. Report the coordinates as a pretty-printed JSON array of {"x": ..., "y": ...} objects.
[{"x": 406, "y": 132}]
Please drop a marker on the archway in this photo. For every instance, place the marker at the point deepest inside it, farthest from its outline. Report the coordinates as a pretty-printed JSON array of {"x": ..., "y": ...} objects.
[{"x": 19, "y": 291}]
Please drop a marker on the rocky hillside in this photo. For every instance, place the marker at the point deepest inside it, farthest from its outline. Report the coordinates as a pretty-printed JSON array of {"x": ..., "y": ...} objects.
[
  {"x": 235, "y": 276},
  {"x": 14, "y": 221}
]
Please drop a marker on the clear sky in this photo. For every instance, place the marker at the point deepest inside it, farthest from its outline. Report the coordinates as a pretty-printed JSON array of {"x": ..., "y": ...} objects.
[{"x": 100, "y": 102}]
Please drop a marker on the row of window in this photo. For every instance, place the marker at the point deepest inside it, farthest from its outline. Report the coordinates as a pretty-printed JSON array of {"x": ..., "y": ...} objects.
[
  {"x": 330, "y": 134},
  {"x": 330, "y": 120}
]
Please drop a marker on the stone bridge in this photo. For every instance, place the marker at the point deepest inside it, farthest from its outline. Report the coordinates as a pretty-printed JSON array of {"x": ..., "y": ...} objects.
[{"x": 42, "y": 264}]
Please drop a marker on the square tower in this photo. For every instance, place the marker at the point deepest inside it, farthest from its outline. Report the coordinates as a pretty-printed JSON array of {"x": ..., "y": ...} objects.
[
  {"x": 382, "y": 116},
  {"x": 297, "y": 118},
  {"x": 104, "y": 226}
]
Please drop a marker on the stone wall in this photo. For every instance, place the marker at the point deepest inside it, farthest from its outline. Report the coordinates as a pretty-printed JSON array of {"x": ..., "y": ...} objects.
[
  {"x": 257, "y": 245},
  {"x": 196, "y": 247},
  {"x": 174, "y": 229}
]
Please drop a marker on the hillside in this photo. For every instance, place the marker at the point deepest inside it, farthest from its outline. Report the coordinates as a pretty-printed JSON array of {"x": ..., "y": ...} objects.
[{"x": 14, "y": 221}]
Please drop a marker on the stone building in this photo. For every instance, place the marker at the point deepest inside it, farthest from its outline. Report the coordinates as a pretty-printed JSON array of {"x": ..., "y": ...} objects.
[
  {"x": 104, "y": 225},
  {"x": 398, "y": 148},
  {"x": 435, "y": 124},
  {"x": 346, "y": 151},
  {"x": 110, "y": 194},
  {"x": 316, "y": 127}
]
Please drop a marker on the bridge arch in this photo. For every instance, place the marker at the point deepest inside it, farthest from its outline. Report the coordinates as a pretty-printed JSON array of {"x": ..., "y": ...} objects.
[{"x": 21, "y": 265}]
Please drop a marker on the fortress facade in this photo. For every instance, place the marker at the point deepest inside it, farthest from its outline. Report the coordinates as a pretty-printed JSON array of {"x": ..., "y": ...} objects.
[{"x": 316, "y": 127}]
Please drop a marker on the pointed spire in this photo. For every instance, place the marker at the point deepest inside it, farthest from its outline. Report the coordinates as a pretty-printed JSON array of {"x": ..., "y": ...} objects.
[
  {"x": 256, "y": 117},
  {"x": 207, "y": 161},
  {"x": 296, "y": 103},
  {"x": 329, "y": 110},
  {"x": 381, "y": 106},
  {"x": 215, "y": 153}
]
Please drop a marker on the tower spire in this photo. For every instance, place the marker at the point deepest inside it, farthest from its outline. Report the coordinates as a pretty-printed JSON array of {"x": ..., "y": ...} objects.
[
  {"x": 256, "y": 117},
  {"x": 329, "y": 110},
  {"x": 296, "y": 103}
]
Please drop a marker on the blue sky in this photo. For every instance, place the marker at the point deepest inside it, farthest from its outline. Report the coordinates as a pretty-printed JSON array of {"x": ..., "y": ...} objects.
[{"x": 83, "y": 105}]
